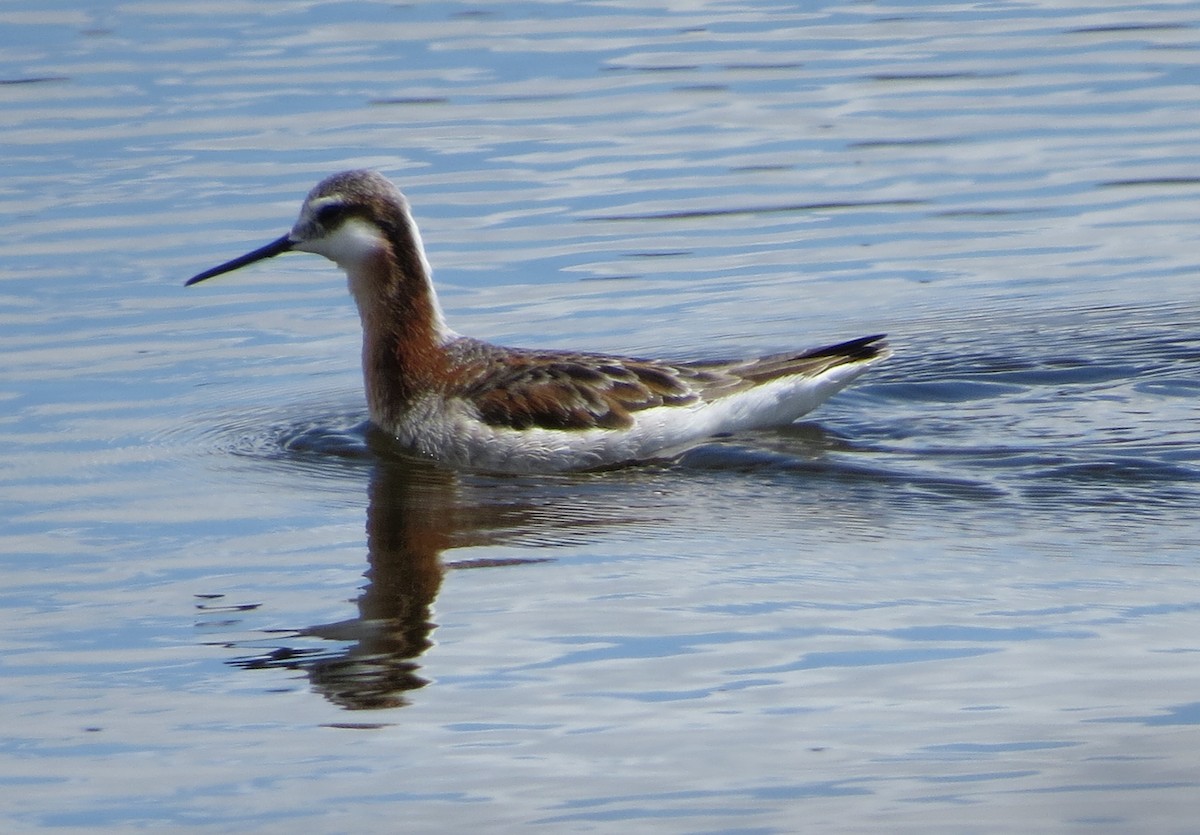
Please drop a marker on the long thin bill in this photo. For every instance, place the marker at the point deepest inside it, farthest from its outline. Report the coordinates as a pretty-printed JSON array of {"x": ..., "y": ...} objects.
[{"x": 269, "y": 251}]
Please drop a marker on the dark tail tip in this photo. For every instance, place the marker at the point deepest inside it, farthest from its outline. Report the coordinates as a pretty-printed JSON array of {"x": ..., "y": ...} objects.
[{"x": 856, "y": 350}]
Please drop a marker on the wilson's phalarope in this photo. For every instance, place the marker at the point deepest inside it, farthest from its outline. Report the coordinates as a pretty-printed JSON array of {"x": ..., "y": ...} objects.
[{"x": 467, "y": 403}]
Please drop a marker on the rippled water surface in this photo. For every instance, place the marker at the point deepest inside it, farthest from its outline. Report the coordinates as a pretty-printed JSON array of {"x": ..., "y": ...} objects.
[{"x": 964, "y": 596}]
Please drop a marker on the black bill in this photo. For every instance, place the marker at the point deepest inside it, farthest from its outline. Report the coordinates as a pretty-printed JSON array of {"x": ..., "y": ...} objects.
[{"x": 269, "y": 251}]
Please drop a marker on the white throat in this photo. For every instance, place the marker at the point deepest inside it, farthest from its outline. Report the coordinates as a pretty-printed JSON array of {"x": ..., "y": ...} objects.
[
  {"x": 351, "y": 246},
  {"x": 360, "y": 249}
]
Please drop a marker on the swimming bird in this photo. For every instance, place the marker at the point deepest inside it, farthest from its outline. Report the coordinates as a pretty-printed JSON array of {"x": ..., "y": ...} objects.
[{"x": 467, "y": 403}]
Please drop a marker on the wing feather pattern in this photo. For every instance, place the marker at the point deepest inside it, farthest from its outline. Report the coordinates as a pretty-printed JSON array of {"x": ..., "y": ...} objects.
[{"x": 548, "y": 390}]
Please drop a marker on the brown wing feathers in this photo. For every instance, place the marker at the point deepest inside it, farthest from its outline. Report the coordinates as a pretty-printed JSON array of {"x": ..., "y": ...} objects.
[
  {"x": 587, "y": 391},
  {"x": 582, "y": 393}
]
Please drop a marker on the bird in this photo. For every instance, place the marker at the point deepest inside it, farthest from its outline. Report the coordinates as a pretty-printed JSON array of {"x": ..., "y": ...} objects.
[{"x": 468, "y": 404}]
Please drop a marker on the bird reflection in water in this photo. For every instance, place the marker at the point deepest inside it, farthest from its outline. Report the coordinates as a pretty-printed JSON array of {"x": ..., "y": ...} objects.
[{"x": 416, "y": 513}]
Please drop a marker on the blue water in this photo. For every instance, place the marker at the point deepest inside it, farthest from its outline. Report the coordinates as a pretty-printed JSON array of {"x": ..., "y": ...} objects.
[{"x": 961, "y": 597}]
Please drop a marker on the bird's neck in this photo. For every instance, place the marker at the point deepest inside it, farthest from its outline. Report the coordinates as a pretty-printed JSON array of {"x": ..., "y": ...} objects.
[{"x": 404, "y": 332}]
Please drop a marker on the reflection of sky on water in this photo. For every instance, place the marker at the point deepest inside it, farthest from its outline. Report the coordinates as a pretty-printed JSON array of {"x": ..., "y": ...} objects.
[{"x": 962, "y": 594}]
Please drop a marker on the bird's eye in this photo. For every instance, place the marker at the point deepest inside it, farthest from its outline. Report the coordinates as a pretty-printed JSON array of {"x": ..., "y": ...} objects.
[{"x": 330, "y": 215}]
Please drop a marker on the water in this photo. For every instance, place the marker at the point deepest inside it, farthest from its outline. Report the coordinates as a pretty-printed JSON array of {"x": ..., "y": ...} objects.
[{"x": 962, "y": 597}]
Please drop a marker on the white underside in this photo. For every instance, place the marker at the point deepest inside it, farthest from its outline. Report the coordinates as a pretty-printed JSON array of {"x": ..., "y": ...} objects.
[{"x": 447, "y": 432}]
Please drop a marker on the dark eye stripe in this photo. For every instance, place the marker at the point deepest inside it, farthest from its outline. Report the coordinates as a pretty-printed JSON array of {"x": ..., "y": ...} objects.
[{"x": 331, "y": 215}]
